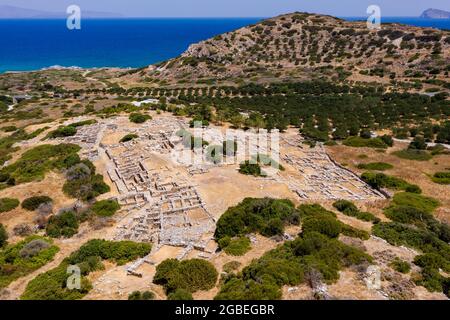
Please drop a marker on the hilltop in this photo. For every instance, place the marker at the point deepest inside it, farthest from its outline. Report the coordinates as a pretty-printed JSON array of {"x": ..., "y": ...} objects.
[{"x": 302, "y": 46}]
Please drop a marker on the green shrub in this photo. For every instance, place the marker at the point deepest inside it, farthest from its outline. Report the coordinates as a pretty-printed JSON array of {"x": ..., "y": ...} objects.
[
  {"x": 105, "y": 208},
  {"x": 229, "y": 148},
  {"x": 238, "y": 246},
  {"x": 214, "y": 154},
  {"x": 408, "y": 215},
  {"x": 180, "y": 294},
  {"x": 190, "y": 275},
  {"x": 83, "y": 123},
  {"x": 328, "y": 226},
  {"x": 33, "y": 203},
  {"x": 3, "y": 236},
  {"x": 400, "y": 265},
  {"x": 24, "y": 257},
  {"x": 9, "y": 128},
  {"x": 202, "y": 122},
  {"x": 138, "y": 295},
  {"x": 63, "y": 225},
  {"x": 129, "y": 137},
  {"x": 441, "y": 177},
  {"x": 350, "y": 231},
  {"x": 82, "y": 182},
  {"x": 289, "y": 264},
  {"x": 399, "y": 234},
  {"x": 418, "y": 201},
  {"x": 412, "y": 188},
  {"x": 51, "y": 285},
  {"x": 251, "y": 169},
  {"x": 231, "y": 266},
  {"x": 319, "y": 220},
  {"x": 413, "y": 154},
  {"x": 36, "y": 162},
  {"x": 387, "y": 139},
  {"x": 62, "y": 132},
  {"x": 256, "y": 215},
  {"x": 239, "y": 289},
  {"x": 433, "y": 261},
  {"x": 433, "y": 281},
  {"x": 381, "y": 180},
  {"x": 8, "y": 204},
  {"x": 378, "y": 166},
  {"x": 359, "y": 142},
  {"x": 266, "y": 160},
  {"x": 139, "y": 117}
]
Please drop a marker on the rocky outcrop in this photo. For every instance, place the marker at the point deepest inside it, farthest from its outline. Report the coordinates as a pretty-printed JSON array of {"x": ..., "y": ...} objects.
[{"x": 435, "y": 14}]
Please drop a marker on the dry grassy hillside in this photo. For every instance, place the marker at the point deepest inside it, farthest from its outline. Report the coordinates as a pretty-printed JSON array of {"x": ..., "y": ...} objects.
[{"x": 305, "y": 46}]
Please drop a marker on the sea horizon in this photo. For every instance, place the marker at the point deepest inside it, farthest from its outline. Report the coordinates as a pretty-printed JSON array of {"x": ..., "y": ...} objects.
[{"x": 123, "y": 42}]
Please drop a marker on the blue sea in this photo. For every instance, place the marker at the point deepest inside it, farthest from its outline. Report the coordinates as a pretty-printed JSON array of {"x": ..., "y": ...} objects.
[{"x": 36, "y": 44}]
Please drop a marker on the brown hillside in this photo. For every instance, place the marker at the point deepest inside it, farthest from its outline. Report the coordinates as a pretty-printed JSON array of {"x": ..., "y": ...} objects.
[{"x": 306, "y": 46}]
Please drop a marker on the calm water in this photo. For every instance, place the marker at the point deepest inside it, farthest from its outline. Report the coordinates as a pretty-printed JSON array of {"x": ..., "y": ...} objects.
[{"x": 36, "y": 44}]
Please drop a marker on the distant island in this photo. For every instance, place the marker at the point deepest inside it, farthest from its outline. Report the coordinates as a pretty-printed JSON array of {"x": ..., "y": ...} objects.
[
  {"x": 11, "y": 12},
  {"x": 435, "y": 14}
]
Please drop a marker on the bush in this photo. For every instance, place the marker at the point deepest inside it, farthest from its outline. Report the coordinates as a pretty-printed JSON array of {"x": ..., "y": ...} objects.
[
  {"x": 82, "y": 182},
  {"x": 433, "y": 281},
  {"x": 359, "y": 142},
  {"x": 105, "y": 208},
  {"x": 214, "y": 154},
  {"x": 400, "y": 234},
  {"x": 231, "y": 266},
  {"x": 3, "y": 236},
  {"x": 36, "y": 162},
  {"x": 349, "y": 209},
  {"x": 129, "y": 137},
  {"x": 418, "y": 143},
  {"x": 387, "y": 140},
  {"x": 139, "y": 117},
  {"x": 349, "y": 231},
  {"x": 413, "y": 154},
  {"x": 239, "y": 289},
  {"x": 18, "y": 260},
  {"x": 33, "y": 203},
  {"x": 409, "y": 215},
  {"x": 319, "y": 220},
  {"x": 433, "y": 261},
  {"x": 418, "y": 201},
  {"x": 63, "y": 225},
  {"x": 51, "y": 285},
  {"x": 137, "y": 295},
  {"x": 378, "y": 166},
  {"x": 62, "y": 132},
  {"x": 441, "y": 177},
  {"x": 33, "y": 248},
  {"x": 400, "y": 265},
  {"x": 324, "y": 225},
  {"x": 180, "y": 294},
  {"x": 381, "y": 180},
  {"x": 190, "y": 275},
  {"x": 8, "y": 204},
  {"x": 266, "y": 160},
  {"x": 238, "y": 246},
  {"x": 289, "y": 263},
  {"x": 230, "y": 148},
  {"x": 255, "y": 215},
  {"x": 251, "y": 169}
]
